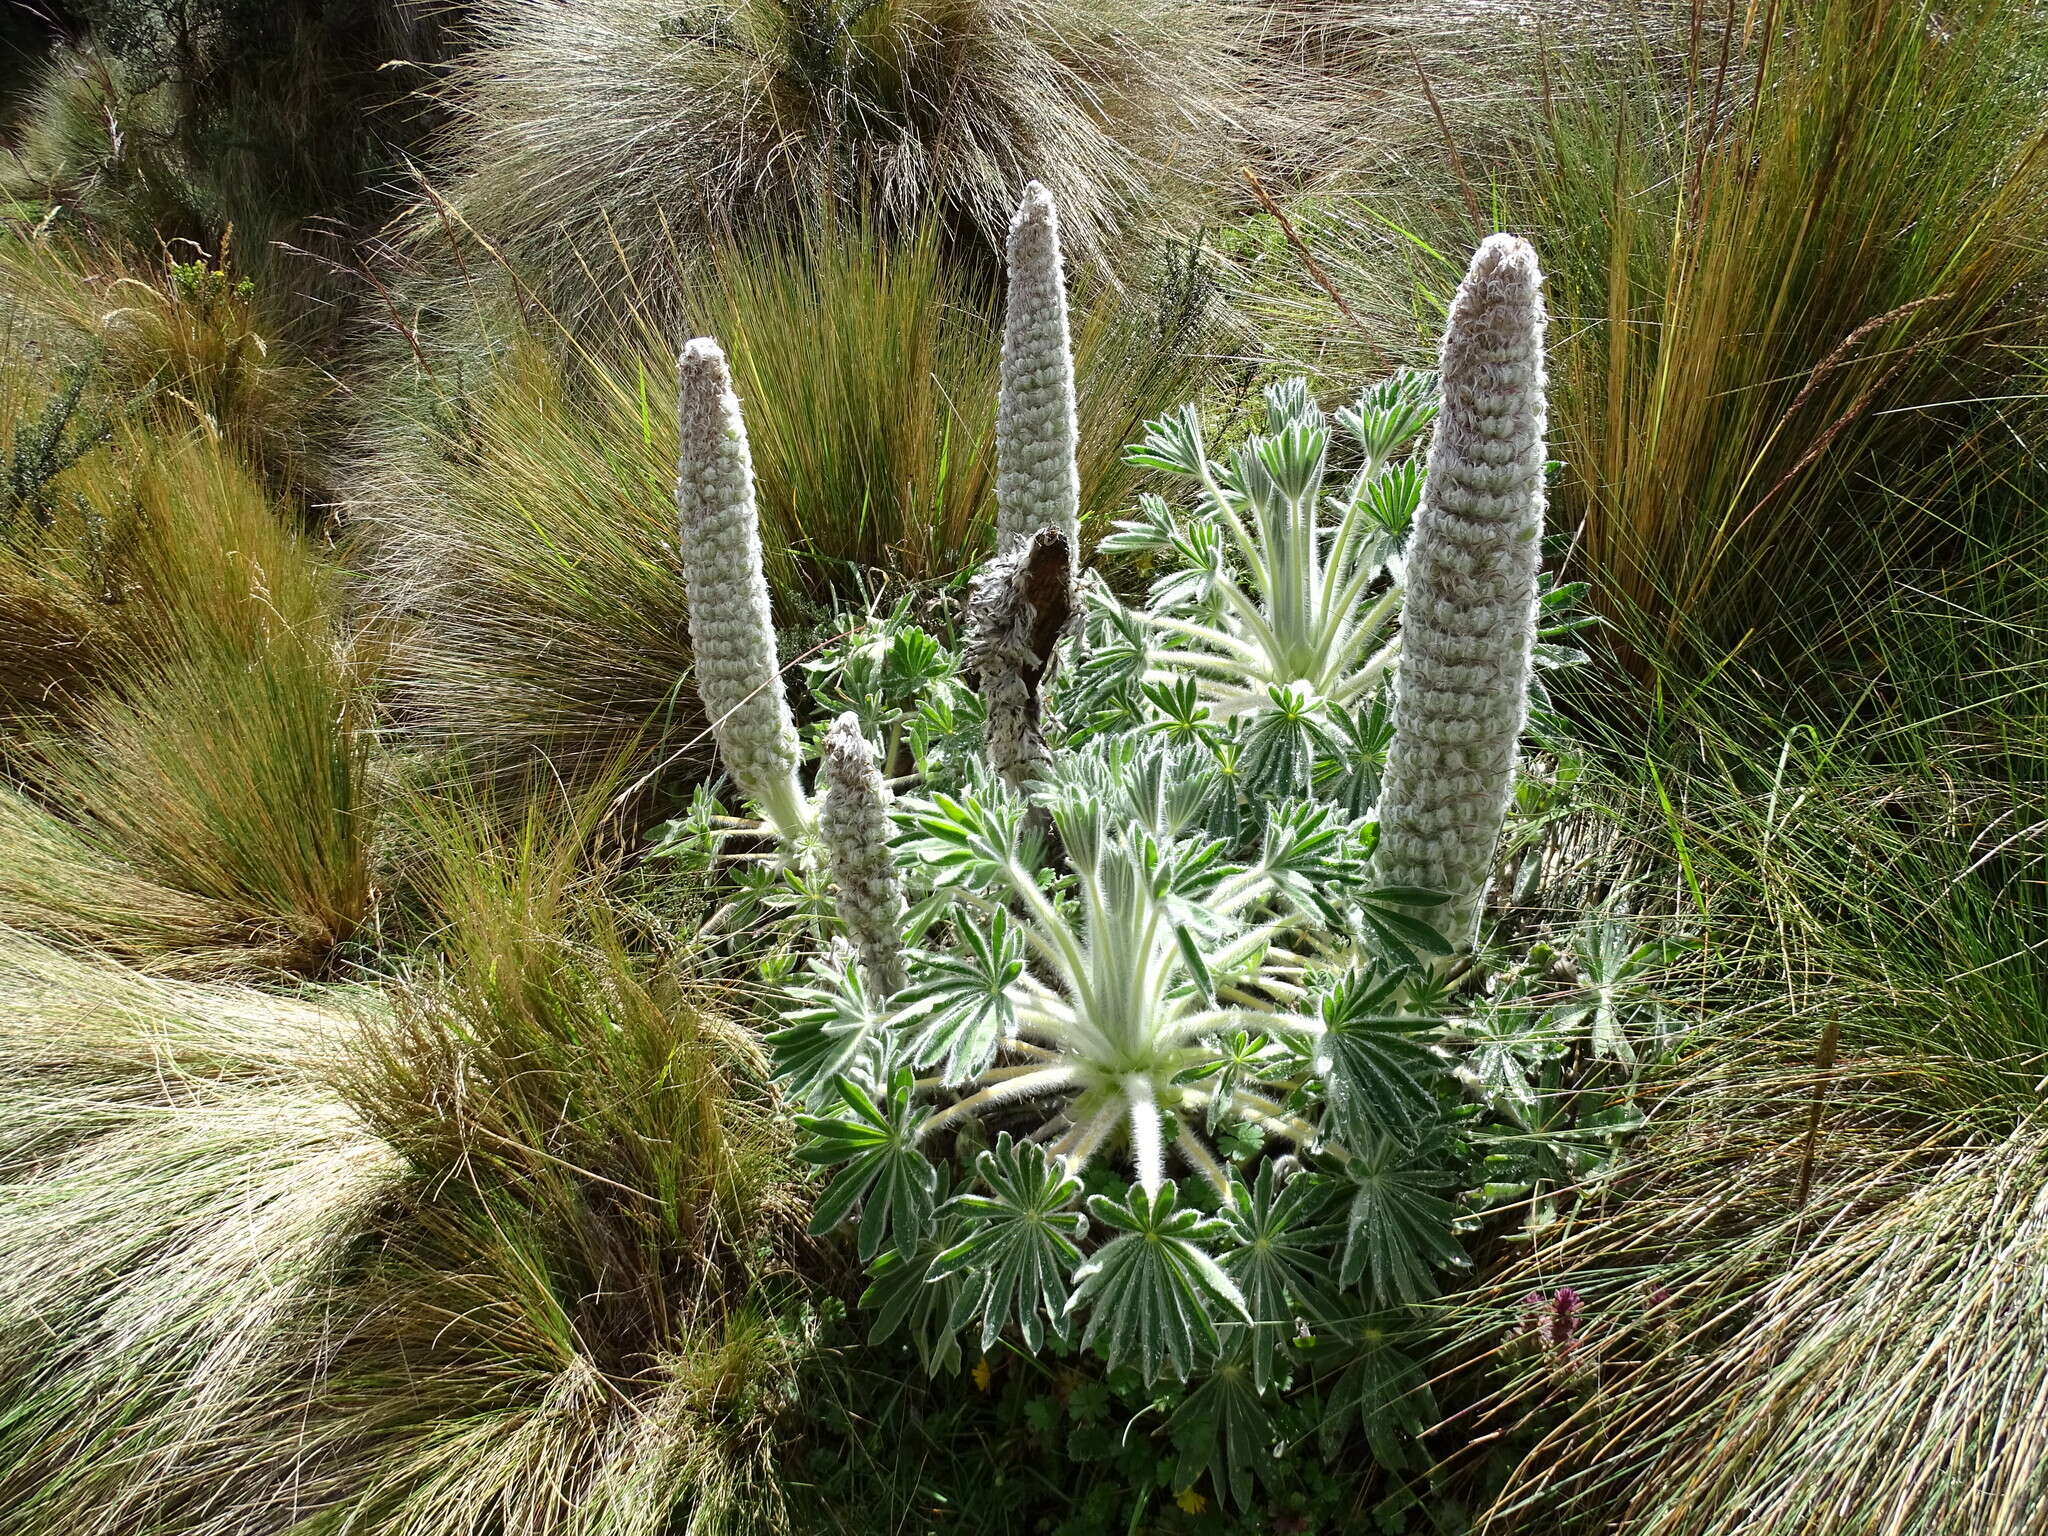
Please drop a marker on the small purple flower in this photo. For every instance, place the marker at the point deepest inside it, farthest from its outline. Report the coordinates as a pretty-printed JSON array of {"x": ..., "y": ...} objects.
[{"x": 1555, "y": 1319}]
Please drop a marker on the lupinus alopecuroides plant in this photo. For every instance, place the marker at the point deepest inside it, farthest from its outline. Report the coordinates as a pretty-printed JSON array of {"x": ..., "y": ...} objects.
[
  {"x": 1022, "y": 603},
  {"x": 732, "y": 630},
  {"x": 1461, "y": 695},
  {"x": 1195, "y": 978}
]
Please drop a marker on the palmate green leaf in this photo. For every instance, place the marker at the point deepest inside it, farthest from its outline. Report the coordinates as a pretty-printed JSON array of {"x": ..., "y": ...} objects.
[
  {"x": 970, "y": 840},
  {"x": 1504, "y": 1043},
  {"x": 1396, "y": 921},
  {"x": 1382, "y": 1390},
  {"x": 1379, "y": 1080},
  {"x": 1286, "y": 465},
  {"x": 903, "y": 1294},
  {"x": 833, "y": 1031},
  {"x": 1183, "y": 717},
  {"x": 1155, "y": 1295},
  {"x": 1351, "y": 773},
  {"x": 1019, "y": 1244},
  {"x": 1392, "y": 496},
  {"x": 1307, "y": 850},
  {"x": 1194, "y": 587},
  {"x": 1392, "y": 412},
  {"x": 958, "y": 1006},
  {"x": 1614, "y": 964},
  {"x": 1290, "y": 406},
  {"x": 1172, "y": 443},
  {"x": 1154, "y": 529},
  {"x": 1283, "y": 743},
  {"x": 886, "y": 1172},
  {"x": 1281, "y": 1236},
  {"x": 1400, "y": 1230},
  {"x": 1224, "y": 1429}
]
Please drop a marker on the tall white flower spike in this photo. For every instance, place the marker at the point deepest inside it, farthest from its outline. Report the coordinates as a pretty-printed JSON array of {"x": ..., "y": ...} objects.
[
  {"x": 1038, "y": 479},
  {"x": 853, "y": 822},
  {"x": 1461, "y": 695},
  {"x": 731, "y": 627}
]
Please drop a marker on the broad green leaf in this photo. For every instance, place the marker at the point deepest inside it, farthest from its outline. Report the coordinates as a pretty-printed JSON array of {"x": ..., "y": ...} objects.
[
  {"x": 1019, "y": 1244},
  {"x": 1226, "y": 1430},
  {"x": 886, "y": 1171},
  {"x": 1154, "y": 1294},
  {"x": 1280, "y": 1240},
  {"x": 958, "y": 1006},
  {"x": 1379, "y": 1080},
  {"x": 902, "y": 1294},
  {"x": 1172, "y": 443},
  {"x": 1383, "y": 1391},
  {"x": 833, "y": 1031},
  {"x": 1400, "y": 1230}
]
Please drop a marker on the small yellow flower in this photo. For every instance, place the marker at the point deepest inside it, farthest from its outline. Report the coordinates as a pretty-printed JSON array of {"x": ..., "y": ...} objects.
[
  {"x": 982, "y": 1373},
  {"x": 1191, "y": 1501}
]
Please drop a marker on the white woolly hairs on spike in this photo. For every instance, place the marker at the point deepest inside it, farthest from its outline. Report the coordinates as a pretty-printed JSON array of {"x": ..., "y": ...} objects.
[
  {"x": 732, "y": 632},
  {"x": 853, "y": 822},
  {"x": 1461, "y": 695},
  {"x": 1038, "y": 479}
]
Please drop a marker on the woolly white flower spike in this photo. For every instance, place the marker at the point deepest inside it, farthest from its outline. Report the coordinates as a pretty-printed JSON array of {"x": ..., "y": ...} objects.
[
  {"x": 1461, "y": 695},
  {"x": 853, "y": 820},
  {"x": 1038, "y": 480},
  {"x": 731, "y": 629},
  {"x": 1018, "y": 610}
]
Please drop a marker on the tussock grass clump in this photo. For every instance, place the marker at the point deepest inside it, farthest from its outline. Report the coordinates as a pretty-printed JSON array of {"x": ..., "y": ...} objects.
[
  {"x": 1840, "y": 1189},
  {"x": 124, "y": 542},
  {"x": 179, "y": 1188},
  {"x": 181, "y": 335},
  {"x": 161, "y": 122},
  {"x": 1796, "y": 259},
  {"x": 513, "y": 1245},
  {"x": 636, "y": 127},
  {"x": 209, "y": 814},
  {"x": 55, "y": 461},
  {"x": 597, "y": 1268},
  {"x": 1808, "y": 1295},
  {"x": 519, "y": 506},
  {"x": 522, "y": 530},
  {"x": 93, "y": 148},
  {"x": 198, "y": 801},
  {"x": 1811, "y": 263}
]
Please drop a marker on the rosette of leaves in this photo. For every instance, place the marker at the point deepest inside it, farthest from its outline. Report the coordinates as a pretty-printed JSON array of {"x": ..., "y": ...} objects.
[
  {"x": 1273, "y": 583},
  {"x": 1169, "y": 1001},
  {"x": 1271, "y": 633}
]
